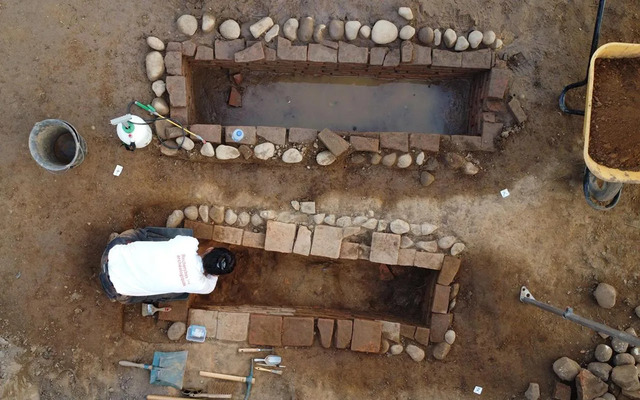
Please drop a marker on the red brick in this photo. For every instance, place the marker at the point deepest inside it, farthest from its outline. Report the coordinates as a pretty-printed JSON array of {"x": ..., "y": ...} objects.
[
  {"x": 352, "y": 54},
  {"x": 377, "y": 55},
  {"x": 392, "y": 58},
  {"x": 490, "y": 131},
  {"x": 441, "y": 299},
  {"x": 385, "y": 248},
  {"x": 327, "y": 241},
  {"x": 320, "y": 53},
  {"x": 349, "y": 251},
  {"x": 275, "y": 135},
  {"x": 425, "y": 141},
  {"x": 367, "y": 336},
  {"x": 177, "y": 88},
  {"x": 174, "y": 46},
  {"x": 237, "y": 78},
  {"x": 200, "y": 229},
  {"x": 395, "y": 141},
  {"x": 440, "y": 323},
  {"x": 428, "y": 260},
  {"x": 252, "y": 239},
  {"x": 204, "y": 53},
  {"x": 446, "y": 58},
  {"x": 252, "y": 53},
  {"x": 235, "y": 98},
  {"x": 344, "y": 330},
  {"x": 478, "y": 59},
  {"x": 497, "y": 83},
  {"x": 406, "y": 257},
  {"x": 180, "y": 114},
  {"x": 287, "y": 52},
  {"x": 450, "y": 267},
  {"x": 265, "y": 330},
  {"x": 360, "y": 143},
  {"x": 297, "y": 331},
  {"x": 422, "y": 335},
  {"x": 280, "y": 237},
  {"x": 249, "y": 138},
  {"x": 325, "y": 330},
  {"x": 173, "y": 62},
  {"x": 189, "y": 48},
  {"x": 334, "y": 142},
  {"x": 209, "y": 132},
  {"x": 227, "y": 234},
  {"x": 302, "y": 135},
  {"x": 226, "y": 49},
  {"x": 406, "y": 52},
  {"x": 562, "y": 391},
  {"x": 421, "y": 55},
  {"x": 408, "y": 331}
]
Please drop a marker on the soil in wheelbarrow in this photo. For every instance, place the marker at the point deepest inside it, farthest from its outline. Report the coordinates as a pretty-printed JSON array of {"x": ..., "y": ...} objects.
[{"x": 615, "y": 117}]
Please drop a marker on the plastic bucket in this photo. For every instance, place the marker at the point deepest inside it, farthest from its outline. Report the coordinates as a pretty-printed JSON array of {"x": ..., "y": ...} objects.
[{"x": 56, "y": 145}]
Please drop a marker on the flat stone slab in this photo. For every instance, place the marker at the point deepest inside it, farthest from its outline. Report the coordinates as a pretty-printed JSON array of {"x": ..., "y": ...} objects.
[
  {"x": 478, "y": 59},
  {"x": 287, "y": 52},
  {"x": 446, "y": 58},
  {"x": 226, "y": 49},
  {"x": 428, "y": 260},
  {"x": 350, "y": 251},
  {"x": 440, "y": 323},
  {"x": 255, "y": 52},
  {"x": 327, "y": 241},
  {"x": 367, "y": 336},
  {"x": 302, "y": 135},
  {"x": 275, "y": 135},
  {"x": 425, "y": 141},
  {"x": 325, "y": 330},
  {"x": 253, "y": 239},
  {"x": 302, "y": 245},
  {"x": 206, "y": 318},
  {"x": 200, "y": 229},
  {"x": 422, "y": 335},
  {"x": 320, "y": 53},
  {"x": 377, "y": 55},
  {"x": 395, "y": 141},
  {"x": 352, "y": 54},
  {"x": 366, "y": 144},
  {"x": 249, "y": 138},
  {"x": 280, "y": 237},
  {"x": 177, "y": 89},
  {"x": 209, "y": 132},
  {"x": 450, "y": 267},
  {"x": 232, "y": 326},
  {"x": 297, "y": 331},
  {"x": 204, "y": 53},
  {"x": 265, "y": 330},
  {"x": 408, "y": 331},
  {"x": 441, "y": 299},
  {"x": 421, "y": 55},
  {"x": 173, "y": 62},
  {"x": 334, "y": 142},
  {"x": 407, "y": 257},
  {"x": 227, "y": 234},
  {"x": 344, "y": 331},
  {"x": 385, "y": 248}
]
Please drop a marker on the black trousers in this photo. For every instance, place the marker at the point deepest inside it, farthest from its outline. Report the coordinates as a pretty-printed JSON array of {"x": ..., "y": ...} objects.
[{"x": 133, "y": 235}]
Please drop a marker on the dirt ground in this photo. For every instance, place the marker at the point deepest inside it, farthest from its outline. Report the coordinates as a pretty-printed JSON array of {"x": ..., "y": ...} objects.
[{"x": 82, "y": 61}]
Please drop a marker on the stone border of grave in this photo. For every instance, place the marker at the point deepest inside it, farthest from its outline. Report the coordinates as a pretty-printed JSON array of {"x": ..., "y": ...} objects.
[
  {"x": 307, "y": 233},
  {"x": 294, "y": 145}
]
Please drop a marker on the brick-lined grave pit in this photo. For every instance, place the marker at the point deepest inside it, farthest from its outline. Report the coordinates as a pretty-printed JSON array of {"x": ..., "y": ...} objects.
[{"x": 460, "y": 94}]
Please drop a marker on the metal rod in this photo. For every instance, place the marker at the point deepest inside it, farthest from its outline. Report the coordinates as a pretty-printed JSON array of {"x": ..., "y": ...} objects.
[{"x": 527, "y": 297}]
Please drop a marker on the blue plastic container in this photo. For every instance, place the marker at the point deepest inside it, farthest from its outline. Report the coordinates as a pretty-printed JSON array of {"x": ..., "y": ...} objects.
[{"x": 196, "y": 333}]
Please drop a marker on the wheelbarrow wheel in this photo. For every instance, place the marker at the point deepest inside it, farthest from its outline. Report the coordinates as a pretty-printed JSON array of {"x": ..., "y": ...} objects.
[{"x": 599, "y": 194}]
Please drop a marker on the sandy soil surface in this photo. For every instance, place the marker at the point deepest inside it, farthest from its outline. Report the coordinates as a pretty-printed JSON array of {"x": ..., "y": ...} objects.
[{"x": 83, "y": 61}]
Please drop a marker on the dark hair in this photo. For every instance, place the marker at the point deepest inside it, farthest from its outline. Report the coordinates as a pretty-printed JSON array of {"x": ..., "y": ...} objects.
[{"x": 218, "y": 261}]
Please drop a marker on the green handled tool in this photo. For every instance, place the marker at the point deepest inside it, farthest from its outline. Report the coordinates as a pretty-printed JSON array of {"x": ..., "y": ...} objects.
[{"x": 149, "y": 108}]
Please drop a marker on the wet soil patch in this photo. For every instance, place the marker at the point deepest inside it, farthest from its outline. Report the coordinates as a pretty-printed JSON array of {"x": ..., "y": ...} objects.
[
  {"x": 287, "y": 280},
  {"x": 615, "y": 117},
  {"x": 360, "y": 104}
]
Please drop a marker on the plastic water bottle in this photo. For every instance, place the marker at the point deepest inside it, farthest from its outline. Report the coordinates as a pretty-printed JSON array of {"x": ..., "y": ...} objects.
[{"x": 237, "y": 135}]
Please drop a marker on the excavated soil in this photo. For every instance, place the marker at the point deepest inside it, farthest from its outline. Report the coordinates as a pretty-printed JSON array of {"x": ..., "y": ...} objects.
[{"x": 615, "y": 121}]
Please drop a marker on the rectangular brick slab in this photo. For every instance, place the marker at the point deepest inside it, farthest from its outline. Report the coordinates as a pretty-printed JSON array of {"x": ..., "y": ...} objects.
[
  {"x": 425, "y": 141},
  {"x": 226, "y": 49},
  {"x": 408, "y": 331},
  {"x": 177, "y": 89},
  {"x": 450, "y": 267},
  {"x": 428, "y": 260},
  {"x": 249, "y": 134},
  {"x": 280, "y": 237},
  {"x": 302, "y": 135},
  {"x": 327, "y": 241},
  {"x": 204, "y": 53},
  {"x": 265, "y": 330},
  {"x": 446, "y": 58},
  {"x": 254, "y": 240},
  {"x": 441, "y": 299},
  {"x": 352, "y": 54},
  {"x": 359, "y": 143},
  {"x": 349, "y": 251},
  {"x": 232, "y": 326},
  {"x": 297, "y": 331},
  {"x": 206, "y": 318},
  {"x": 344, "y": 331},
  {"x": 209, "y": 132},
  {"x": 395, "y": 141},
  {"x": 498, "y": 82},
  {"x": 302, "y": 245},
  {"x": 273, "y": 134},
  {"x": 334, "y": 142},
  {"x": 440, "y": 323},
  {"x": 406, "y": 257},
  {"x": 320, "y": 53},
  {"x": 367, "y": 336},
  {"x": 173, "y": 62},
  {"x": 255, "y": 52},
  {"x": 227, "y": 234},
  {"x": 385, "y": 248},
  {"x": 200, "y": 229},
  {"x": 422, "y": 335},
  {"x": 325, "y": 331}
]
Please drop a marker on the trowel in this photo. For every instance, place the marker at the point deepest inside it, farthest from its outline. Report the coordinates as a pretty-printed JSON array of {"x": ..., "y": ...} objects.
[{"x": 150, "y": 309}]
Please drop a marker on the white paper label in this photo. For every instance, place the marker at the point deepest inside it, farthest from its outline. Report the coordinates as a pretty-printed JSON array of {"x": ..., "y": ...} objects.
[
  {"x": 118, "y": 170},
  {"x": 504, "y": 193}
]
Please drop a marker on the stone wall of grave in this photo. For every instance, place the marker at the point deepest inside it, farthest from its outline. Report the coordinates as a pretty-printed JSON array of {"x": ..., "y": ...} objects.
[
  {"x": 490, "y": 82},
  {"x": 296, "y": 326}
]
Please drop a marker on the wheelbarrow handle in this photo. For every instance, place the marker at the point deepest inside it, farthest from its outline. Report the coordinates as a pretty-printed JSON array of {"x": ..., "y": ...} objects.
[
  {"x": 135, "y": 365},
  {"x": 226, "y": 377}
]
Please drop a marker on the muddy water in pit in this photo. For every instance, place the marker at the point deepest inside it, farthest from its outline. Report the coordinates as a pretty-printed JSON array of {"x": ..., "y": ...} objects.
[
  {"x": 338, "y": 103},
  {"x": 274, "y": 279}
]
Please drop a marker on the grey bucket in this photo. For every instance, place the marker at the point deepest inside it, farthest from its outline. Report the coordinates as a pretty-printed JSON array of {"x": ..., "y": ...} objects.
[{"x": 56, "y": 145}]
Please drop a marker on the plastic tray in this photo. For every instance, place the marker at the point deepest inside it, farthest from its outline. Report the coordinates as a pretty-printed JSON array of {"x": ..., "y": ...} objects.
[
  {"x": 609, "y": 50},
  {"x": 196, "y": 333}
]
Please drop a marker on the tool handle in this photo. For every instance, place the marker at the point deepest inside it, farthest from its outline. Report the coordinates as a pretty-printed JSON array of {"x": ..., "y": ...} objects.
[
  {"x": 164, "y": 309},
  {"x": 135, "y": 365},
  {"x": 252, "y": 350},
  {"x": 206, "y": 396},
  {"x": 226, "y": 377},
  {"x": 273, "y": 371}
]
